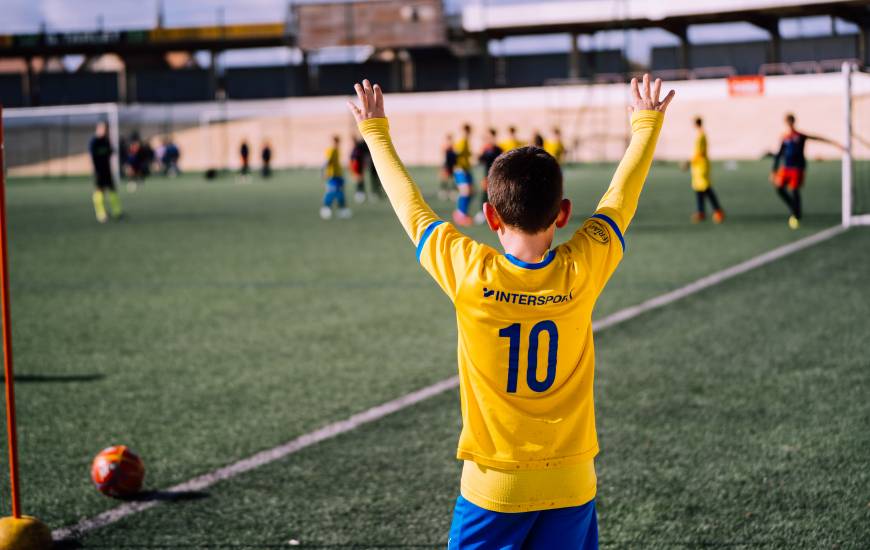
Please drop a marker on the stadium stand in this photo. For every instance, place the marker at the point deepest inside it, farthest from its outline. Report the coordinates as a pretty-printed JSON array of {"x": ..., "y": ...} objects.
[
  {"x": 12, "y": 90},
  {"x": 57, "y": 88},
  {"x": 421, "y": 47},
  {"x": 752, "y": 57}
]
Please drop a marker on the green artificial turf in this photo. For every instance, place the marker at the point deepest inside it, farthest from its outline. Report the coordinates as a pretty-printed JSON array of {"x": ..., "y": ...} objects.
[{"x": 223, "y": 319}]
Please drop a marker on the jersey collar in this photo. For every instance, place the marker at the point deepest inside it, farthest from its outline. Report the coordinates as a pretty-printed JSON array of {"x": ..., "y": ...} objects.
[{"x": 536, "y": 265}]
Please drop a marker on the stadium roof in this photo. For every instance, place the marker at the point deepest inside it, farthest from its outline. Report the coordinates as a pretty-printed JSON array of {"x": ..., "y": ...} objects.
[{"x": 595, "y": 15}]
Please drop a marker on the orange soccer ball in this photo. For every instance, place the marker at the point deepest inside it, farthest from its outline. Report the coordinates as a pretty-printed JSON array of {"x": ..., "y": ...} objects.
[{"x": 117, "y": 471}]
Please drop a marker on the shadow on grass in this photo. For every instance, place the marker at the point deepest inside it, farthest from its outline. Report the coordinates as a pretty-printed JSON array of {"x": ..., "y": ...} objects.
[
  {"x": 52, "y": 378},
  {"x": 65, "y": 545},
  {"x": 166, "y": 496}
]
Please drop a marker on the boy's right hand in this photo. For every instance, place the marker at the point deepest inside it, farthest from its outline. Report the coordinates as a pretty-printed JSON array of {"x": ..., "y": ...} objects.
[
  {"x": 644, "y": 99},
  {"x": 371, "y": 99}
]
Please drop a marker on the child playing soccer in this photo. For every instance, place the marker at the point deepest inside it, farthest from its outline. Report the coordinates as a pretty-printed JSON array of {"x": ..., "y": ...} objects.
[
  {"x": 358, "y": 157},
  {"x": 487, "y": 157},
  {"x": 700, "y": 169},
  {"x": 445, "y": 181},
  {"x": 334, "y": 176},
  {"x": 526, "y": 356},
  {"x": 790, "y": 175},
  {"x": 245, "y": 156},
  {"x": 104, "y": 182},
  {"x": 512, "y": 142},
  {"x": 555, "y": 147},
  {"x": 463, "y": 178}
]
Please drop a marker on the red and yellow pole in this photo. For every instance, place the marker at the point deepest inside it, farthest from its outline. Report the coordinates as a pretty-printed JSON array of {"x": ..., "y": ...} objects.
[{"x": 17, "y": 532}]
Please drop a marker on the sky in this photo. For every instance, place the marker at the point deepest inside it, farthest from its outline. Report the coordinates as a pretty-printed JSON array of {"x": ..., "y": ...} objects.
[{"x": 24, "y": 16}]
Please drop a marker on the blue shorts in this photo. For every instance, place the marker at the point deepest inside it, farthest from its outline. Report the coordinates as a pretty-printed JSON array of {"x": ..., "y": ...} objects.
[
  {"x": 335, "y": 183},
  {"x": 462, "y": 177},
  {"x": 473, "y": 528}
]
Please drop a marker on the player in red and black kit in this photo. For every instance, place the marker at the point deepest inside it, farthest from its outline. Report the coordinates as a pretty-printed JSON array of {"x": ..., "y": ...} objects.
[
  {"x": 789, "y": 166},
  {"x": 358, "y": 157}
]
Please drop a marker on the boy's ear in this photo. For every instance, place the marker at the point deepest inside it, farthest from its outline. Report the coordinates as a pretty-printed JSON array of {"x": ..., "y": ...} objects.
[
  {"x": 492, "y": 218},
  {"x": 564, "y": 213}
]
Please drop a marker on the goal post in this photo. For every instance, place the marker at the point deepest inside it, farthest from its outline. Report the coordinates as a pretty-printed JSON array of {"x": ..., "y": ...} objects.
[
  {"x": 52, "y": 141},
  {"x": 856, "y": 166}
]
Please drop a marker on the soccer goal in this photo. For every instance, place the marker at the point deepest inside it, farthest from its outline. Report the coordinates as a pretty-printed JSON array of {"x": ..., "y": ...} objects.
[
  {"x": 53, "y": 141},
  {"x": 856, "y": 157}
]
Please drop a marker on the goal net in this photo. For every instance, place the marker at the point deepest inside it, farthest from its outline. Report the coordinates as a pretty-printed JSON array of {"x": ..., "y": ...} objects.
[
  {"x": 856, "y": 158},
  {"x": 53, "y": 141}
]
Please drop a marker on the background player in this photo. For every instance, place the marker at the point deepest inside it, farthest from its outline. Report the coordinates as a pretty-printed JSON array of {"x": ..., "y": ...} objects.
[
  {"x": 101, "y": 155},
  {"x": 245, "y": 156},
  {"x": 334, "y": 175},
  {"x": 140, "y": 157},
  {"x": 512, "y": 142},
  {"x": 266, "y": 159},
  {"x": 789, "y": 167},
  {"x": 700, "y": 170},
  {"x": 490, "y": 152},
  {"x": 555, "y": 147},
  {"x": 445, "y": 182},
  {"x": 463, "y": 177},
  {"x": 357, "y": 167},
  {"x": 528, "y": 440}
]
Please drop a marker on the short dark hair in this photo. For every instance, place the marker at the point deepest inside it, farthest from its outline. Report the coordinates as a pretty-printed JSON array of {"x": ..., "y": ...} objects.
[
  {"x": 466, "y": 128},
  {"x": 699, "y": 121},
  {"x": 525, "y": 188},
  {"x": 789, "y": 118}
]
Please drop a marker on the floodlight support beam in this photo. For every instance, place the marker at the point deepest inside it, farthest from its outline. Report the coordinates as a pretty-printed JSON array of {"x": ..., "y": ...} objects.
[{"x": 7, "y": 340}]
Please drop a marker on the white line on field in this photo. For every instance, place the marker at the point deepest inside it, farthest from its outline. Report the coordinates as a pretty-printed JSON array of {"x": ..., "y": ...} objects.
[
  {"x": 716, "y": 278},
  {"x": 375, "y": 413}
]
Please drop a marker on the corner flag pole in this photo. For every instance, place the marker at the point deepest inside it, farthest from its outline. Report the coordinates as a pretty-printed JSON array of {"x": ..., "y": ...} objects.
[{"x": 7, "y": 339}]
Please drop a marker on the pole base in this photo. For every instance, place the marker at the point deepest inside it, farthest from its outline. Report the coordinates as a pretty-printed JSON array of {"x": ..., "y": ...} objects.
[{"x": 24, "y": 533}]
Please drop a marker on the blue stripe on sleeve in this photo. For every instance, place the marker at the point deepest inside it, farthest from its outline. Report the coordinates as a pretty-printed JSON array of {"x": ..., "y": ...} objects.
[
  {"x": 613, "y": 226},
  {"x": 425, "y": 236}
]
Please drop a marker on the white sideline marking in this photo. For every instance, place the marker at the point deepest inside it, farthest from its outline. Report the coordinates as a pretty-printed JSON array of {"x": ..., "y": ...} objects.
[
  {"x": 375, "y": 413},
  {"x": 716, "y": 278}
]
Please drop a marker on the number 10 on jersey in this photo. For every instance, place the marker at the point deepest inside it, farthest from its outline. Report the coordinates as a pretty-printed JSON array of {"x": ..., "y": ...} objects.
[{"x": 512, "y": 333}]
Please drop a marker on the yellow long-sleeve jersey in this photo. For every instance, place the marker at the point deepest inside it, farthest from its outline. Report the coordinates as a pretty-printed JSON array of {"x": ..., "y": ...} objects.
[
  {"x": 332, "y": 168},
  {"x": 525, "y": 351},
  {"x": 463, "y": 154},
  {"x": 556, "y": 149},
  {"x": 700, "y": 165},
  {"x": 510, "y": 144}
]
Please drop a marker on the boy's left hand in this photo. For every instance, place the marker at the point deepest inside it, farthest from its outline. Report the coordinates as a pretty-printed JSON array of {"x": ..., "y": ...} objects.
[{"x": 372, "y": 100}]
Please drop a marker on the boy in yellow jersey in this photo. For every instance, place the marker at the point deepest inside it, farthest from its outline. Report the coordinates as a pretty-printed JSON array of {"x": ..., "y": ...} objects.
[
  {"x": 526, "y": 356},
  {"x": 334, "y": 175},
  {"x": 512, "y": 142},
  {"x": 554, "y": 146},
  {"x": 463, "y": 178},
  {"x": 700, "y": 168}
]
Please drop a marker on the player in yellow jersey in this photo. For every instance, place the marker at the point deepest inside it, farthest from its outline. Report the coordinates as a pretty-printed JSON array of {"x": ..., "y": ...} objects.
[
  {"x": 512, "y": 142},
  {"x": 700, "y": 168},
  {"x": 554, "y": 146},
  {"x": 334, "y": 176},
  {"x": 463, "y": 177},
  {"x": 526, "y": 355}
]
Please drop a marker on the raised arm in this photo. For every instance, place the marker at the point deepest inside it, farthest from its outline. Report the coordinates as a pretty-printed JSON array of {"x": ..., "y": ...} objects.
[
  {"x": 836, "y": 144},
  {"x": 412, "y": 211},
  {"x": 620, "y": 201}
]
